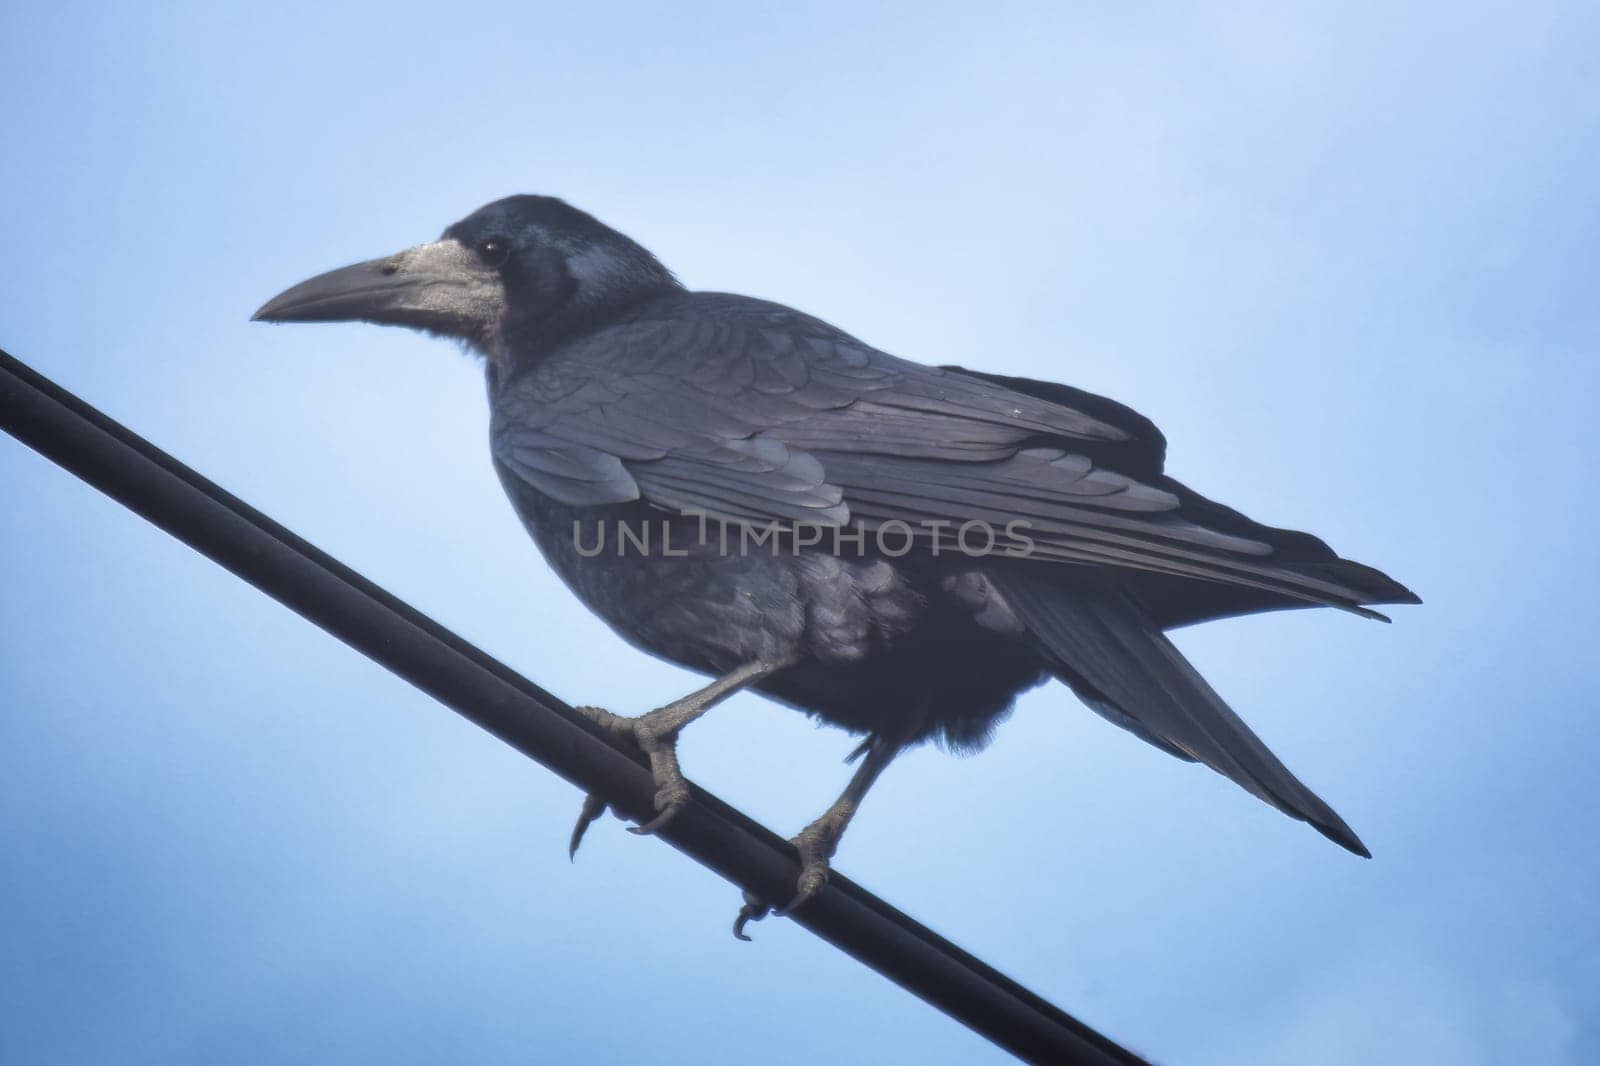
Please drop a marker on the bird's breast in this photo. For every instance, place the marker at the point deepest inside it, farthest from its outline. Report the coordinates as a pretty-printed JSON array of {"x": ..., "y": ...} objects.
[{"x": 702, "y": 595}]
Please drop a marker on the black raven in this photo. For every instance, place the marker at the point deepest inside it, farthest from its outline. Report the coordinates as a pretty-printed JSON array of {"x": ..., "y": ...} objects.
[{"x": 897, "y": 549}]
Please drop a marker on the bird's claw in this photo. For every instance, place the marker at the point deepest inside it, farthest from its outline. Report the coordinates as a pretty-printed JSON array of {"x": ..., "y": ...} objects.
[
  {"x": 815, "y": 843},
  {"x": 813, "y": 878},
  {"x": 669, "y": 801},
  {"x": 593, "y": 807},
  {"x": 672, "y": 789},
  {"x": 754, "y": 910}
]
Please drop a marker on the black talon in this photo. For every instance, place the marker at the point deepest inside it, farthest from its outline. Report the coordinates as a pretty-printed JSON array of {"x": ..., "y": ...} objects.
[
  {"x": 752, "y": 911},
  {"x": 593, "y": 807},
  {"x": 649, "y": 828},
  {"x": 789, "y": 908}
]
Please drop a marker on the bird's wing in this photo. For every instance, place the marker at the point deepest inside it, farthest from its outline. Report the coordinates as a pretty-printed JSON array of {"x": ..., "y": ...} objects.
[
  {"x": 728, "y": 416},
  {"x": 769, "y": 415}
]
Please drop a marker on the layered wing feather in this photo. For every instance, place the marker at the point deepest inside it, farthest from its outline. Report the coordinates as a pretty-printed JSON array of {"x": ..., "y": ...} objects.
[{"x": 751, "y": 412}]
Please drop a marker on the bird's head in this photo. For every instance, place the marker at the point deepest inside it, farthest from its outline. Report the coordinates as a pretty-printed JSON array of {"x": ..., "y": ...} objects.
[{"x": 513, "y": 272}]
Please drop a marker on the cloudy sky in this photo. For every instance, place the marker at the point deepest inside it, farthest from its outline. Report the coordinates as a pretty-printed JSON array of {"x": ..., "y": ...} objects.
[{"x": 1344, "y": 254}]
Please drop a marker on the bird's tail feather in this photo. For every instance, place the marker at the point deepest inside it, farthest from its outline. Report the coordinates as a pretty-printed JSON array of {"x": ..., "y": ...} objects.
[{"x": 1120, "y": 663}]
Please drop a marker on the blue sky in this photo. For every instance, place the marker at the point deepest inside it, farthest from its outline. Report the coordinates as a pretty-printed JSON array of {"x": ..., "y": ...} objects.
[{"x": 1343, "y": 254}]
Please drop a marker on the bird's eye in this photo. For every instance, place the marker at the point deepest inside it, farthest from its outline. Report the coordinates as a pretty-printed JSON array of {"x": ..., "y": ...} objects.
[{"x": 494, "y": 251}]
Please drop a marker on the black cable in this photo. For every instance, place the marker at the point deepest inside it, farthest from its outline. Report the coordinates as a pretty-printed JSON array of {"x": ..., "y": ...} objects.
[{"x": 151, "y": 483}]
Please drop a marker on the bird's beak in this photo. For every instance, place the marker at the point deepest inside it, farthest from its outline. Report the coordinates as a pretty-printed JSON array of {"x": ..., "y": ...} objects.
[{"x": 442, "y": 287}]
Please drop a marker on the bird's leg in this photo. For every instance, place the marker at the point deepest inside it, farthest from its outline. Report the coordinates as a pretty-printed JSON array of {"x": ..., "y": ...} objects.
[
  {"x": 656, "y": 734},
  {"x": 817, "y": 842}
]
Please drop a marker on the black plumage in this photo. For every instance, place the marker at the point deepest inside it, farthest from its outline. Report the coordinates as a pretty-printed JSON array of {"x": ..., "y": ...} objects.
[{"x": 620, "y": 399}]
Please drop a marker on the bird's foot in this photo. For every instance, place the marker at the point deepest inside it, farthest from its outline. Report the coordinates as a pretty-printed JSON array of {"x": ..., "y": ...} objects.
[
  {"x": 816, "y": 844},
  {"x": 656, "y": 734}
]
